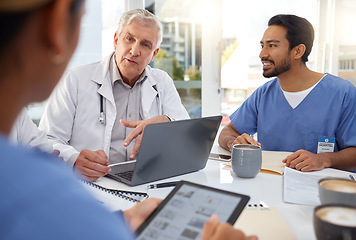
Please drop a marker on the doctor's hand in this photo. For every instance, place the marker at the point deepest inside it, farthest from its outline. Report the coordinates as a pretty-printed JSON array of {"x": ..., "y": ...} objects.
[
  {"x": 243, "y": 139},
  {"x": 137, "y": 133},
  {"x": 92, "y": 164},
  {"x": 215, "y": 230},
  {"x": 305, "y": 161},
  {"x": 136, "y": 215}
]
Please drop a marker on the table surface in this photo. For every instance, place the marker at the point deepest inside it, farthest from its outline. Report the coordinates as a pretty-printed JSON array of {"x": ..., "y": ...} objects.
[{"x": 265, "y": 188}]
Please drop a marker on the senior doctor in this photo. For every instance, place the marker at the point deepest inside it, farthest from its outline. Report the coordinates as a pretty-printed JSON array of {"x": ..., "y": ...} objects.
[{"x": 99, "y": 109}]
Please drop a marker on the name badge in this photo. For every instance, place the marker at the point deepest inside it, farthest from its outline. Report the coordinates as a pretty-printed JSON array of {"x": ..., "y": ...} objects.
[{"x": 326, "y": 144}]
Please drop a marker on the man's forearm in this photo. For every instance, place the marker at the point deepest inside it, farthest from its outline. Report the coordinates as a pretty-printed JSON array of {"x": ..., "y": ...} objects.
[
  {"x": 227, "y": 137},
  {"x": 344, "y": 159},
  {"x": 229, "y": 141}
]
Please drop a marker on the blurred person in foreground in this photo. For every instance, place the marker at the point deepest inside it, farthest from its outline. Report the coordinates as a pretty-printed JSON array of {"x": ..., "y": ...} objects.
[
  {"x": 309, "y": 113},
  {"x": 41, "y": 199}
]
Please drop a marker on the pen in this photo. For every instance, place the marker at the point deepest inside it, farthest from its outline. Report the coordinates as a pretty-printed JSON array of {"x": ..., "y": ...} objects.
[
  {"x": 162, "y": 185},
  {"x": 352, "y": 177}
]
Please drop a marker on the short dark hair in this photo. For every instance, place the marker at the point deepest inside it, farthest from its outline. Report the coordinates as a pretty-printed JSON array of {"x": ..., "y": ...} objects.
[
  {"x": 9, "y": 24},
  {"x": 299, "y": 31}
]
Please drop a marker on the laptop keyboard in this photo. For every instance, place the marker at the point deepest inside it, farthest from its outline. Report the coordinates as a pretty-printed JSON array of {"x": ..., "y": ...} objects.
[{"x": 126, "y": 175}]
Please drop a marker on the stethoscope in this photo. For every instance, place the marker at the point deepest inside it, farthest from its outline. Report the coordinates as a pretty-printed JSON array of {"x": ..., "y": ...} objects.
[
  {"x": 102, "y": 114},
  {"x": 102, "y": 118}
]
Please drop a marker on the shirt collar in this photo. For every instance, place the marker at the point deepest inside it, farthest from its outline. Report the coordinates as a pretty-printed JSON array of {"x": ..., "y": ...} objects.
[{"x": 114, "y": 71}]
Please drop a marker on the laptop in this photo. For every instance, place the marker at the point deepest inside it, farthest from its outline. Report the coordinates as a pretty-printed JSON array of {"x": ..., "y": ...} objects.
[{"x": 169, "y": 149}]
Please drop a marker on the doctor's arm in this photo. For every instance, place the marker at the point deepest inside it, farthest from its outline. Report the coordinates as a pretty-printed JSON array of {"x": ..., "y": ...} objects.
[
  {"x": 58, "y": 117},
  {"x": 137, "y": 133},
  {"x": 306, "y": 161},
  {"x": 229, "y": 136},
  {"x": 26, "y": 133}
]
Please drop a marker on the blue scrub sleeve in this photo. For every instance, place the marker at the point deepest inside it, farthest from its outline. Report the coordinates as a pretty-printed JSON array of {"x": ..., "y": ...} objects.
[
  {"x": 244, "y": 119},
  {"x": 346, "y": 133}
]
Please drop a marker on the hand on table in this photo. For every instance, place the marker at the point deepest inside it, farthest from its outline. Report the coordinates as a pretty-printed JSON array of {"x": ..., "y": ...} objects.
[
  {"x": 92, "y": 164},
  {"x": 215, "y": 230},
  {"x": 139, "y": 212},
  {"x": 137, "y": 133},
  {"x": 305, "y": 161}
]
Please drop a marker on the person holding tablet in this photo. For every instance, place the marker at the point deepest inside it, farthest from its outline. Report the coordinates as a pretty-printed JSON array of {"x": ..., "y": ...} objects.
[{"x": 41, "y": 198}]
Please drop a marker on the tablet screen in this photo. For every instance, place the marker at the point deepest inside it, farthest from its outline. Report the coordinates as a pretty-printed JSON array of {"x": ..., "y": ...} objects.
[{"x": 184, "y": 212}]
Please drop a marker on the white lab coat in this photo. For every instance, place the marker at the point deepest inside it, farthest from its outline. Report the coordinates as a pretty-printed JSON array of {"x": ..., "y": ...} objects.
[
  {"x": 71, "y": 117},
  {"x": 25, "y": 133}
]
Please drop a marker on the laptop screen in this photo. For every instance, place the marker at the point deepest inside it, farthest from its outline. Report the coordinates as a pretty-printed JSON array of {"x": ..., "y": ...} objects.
[{"x": 173, "y": 148}]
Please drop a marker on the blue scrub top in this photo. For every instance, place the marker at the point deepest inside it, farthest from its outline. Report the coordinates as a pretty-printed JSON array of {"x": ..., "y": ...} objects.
[
  {"x": 327, "y": 111},
  {"x": 42, "y": 199}
]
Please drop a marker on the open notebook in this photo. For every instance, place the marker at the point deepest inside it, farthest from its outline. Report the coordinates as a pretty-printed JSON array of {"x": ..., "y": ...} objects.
[{"x": 112, "y": 199}]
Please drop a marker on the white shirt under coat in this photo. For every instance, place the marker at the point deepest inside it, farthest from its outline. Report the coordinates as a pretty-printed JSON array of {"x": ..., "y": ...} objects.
[{"x": 71, "y": 117}]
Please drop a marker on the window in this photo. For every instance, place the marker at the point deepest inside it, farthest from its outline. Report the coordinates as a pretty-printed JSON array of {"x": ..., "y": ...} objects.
[
  {"x": 244, "y": 23},
  {"x": 193, "y": 46},
  {"x": 180, "y": 51}
]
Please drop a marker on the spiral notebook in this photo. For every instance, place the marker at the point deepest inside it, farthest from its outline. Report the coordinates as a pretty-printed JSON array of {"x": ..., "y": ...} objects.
[{"x": 113, "y": 199}]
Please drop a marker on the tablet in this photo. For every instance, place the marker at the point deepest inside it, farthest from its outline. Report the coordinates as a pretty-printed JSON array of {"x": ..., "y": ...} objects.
[{"x": 183, "y": 213}]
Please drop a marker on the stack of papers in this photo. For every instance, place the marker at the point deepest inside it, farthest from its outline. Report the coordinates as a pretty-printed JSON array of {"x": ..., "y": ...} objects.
[{"x": 302, "y": 187}]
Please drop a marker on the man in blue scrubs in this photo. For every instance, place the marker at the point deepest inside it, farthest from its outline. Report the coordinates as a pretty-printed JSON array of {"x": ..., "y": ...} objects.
[
  {"x": 309, "y": 113},
  {"x": 40, "y": 197}
]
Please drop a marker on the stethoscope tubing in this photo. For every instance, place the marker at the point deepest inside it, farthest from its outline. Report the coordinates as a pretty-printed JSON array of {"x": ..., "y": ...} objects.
[{"x": 102, "y": 117}]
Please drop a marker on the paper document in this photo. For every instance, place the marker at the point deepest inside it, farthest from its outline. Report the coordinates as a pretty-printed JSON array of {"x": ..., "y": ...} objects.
[
  {"x": 272, "y": 161},
  {"x": 266, "y": 223},
  {"x": 302, "y": 187}
]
